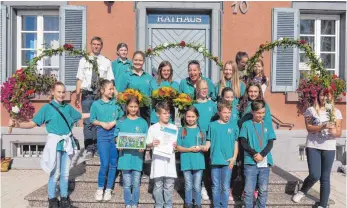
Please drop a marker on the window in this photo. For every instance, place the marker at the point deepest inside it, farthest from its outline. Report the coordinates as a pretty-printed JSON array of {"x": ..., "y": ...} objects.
[
  {"x": 37, "y": 31},
  {"x": 321, "y": 32}
]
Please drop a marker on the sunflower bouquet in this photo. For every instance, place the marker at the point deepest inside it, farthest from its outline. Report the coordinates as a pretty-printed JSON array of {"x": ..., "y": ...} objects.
[
  {"x": 182, "y": 102},
  {"x": 164, "y": 94},
  {"x": 143, "y": 99}
]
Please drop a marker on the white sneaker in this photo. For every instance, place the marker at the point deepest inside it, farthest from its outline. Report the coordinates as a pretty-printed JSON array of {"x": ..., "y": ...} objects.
[
  {"x": 134, "y": 206},
  {"x": 98, "y": 194},
  {"x": 204, "y": 194},
  {"x": 128, "y": 206},
  {"x": 108, "y": 195},
  {"x": 298, "y": 196}
]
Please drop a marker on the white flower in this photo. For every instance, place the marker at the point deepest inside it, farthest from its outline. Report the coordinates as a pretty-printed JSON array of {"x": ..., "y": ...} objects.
[
  {"x": 165, "y": 44},
  {"x": 320, "y": 60},
  {"x": 280, "y": 39},
  {"x": 15, "y": 109},
  {"x": 201, "y": 49},
  {"x": 329, "y": 107}
]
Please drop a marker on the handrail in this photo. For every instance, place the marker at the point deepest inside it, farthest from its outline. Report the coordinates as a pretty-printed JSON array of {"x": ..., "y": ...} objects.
[{"x": 279, "y": 123}]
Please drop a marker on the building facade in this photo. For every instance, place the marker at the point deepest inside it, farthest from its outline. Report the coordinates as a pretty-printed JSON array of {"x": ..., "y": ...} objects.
[{"x": 222, "y": 27}]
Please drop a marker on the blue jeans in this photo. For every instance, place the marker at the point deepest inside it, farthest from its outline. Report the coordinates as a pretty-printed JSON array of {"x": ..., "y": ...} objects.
[
  {"x": 89, "y": 130},
  {"x": 61, "y": 169},
  {"x": 108, "y": 157},
  {"x": 131, "y": 179},
  {"x": 192, "y": 179},
  {"x": 259, "y": 177},
  {"x": 221, "y": 177},
  {"x": 166, "y": 185},
  {"x": 319, "y": 163}
]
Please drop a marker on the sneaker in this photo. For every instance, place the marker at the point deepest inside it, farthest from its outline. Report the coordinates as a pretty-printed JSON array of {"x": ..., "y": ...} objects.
[
  {"x": 134, "y": 206},
  {"x": 65, "y": 202},
  {"x": 231, "y": 198},
  {"x": 98, "y": 194},
  {"x": 108, "y": 195},
  {"x": 204, "y": 194},
  {"x": 128, "y": 206},
  {"x": 53, "y": 203},
  {"x": 298, "y": 196}
]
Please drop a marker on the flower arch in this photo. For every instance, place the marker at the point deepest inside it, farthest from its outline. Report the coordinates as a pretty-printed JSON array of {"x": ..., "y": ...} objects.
[
  {"x": 317, "y": 79},
  {"x": 197, "y": 47},
  {"x": 17, "y": 91}
]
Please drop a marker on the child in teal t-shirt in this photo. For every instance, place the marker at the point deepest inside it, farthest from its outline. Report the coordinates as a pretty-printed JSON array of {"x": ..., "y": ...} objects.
[
  {"x": 104, "y": 113},
  {"x": 256, "y": 137},
  {"x": 131, "y": 160},
  {"x": 164, "y": 79},
  {"x": 121, "y": 66},
  {"x": 60, "y": 147},
  {"x": 191, "y": 142},
  {"x": 223, "y": 144}
]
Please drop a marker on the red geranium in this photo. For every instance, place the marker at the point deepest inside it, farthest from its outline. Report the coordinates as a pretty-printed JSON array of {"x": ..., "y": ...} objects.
[
  {"x": 344, "y": 93},
  {"x": 335, "y": 76},
  {"x": 29, "y": 92},
  {"x": 182, "y": 43},
  {"x": 333, "y": 86},
  {"x": 149, "y": 50},
  {"x": 20, "y": 71},
  {"x": 68, "y": 46},
  {"x": 302, "y": 41},
  {"x": 262, "y": 45}
]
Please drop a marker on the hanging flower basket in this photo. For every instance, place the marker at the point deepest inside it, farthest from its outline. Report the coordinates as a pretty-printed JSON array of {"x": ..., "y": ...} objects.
[{"x": 5, "y": 164}]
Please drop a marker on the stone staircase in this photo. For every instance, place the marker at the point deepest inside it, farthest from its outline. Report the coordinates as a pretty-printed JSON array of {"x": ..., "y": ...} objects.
[{"x": 83, "y": 184}]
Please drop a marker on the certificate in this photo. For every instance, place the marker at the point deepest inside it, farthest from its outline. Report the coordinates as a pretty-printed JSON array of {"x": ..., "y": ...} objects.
[
  {"x": 263, "y": 163},
  {"x": 131, "y": 140},
  {"x": 167, "y": 138}
]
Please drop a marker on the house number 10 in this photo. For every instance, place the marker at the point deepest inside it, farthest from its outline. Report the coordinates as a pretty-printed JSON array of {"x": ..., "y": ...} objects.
[{"x": 243, "y": 6}]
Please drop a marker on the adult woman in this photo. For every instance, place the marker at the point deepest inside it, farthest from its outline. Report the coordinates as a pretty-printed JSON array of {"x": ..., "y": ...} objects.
[
  {"x": 320, "y": 145},
  {"x": 188, "y": 85},
  {"x": 121, "y": 66},
  {"x": 140, "y": 80},
  {"x": 165, "y": 73},
  {"x": 231, "y": 78}
]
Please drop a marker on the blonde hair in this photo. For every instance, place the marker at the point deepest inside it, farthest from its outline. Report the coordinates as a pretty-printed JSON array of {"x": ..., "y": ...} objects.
[
  {"x": 235, "y": 79},
  {"x": 198, "y": 85}
]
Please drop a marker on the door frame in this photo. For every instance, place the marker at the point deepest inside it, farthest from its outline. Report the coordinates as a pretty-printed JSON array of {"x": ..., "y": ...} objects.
[{"x": 214, "y": 8}]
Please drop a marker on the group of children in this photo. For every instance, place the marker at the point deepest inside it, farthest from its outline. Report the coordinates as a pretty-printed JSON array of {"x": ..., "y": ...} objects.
[{"x": 208, "y": 140}]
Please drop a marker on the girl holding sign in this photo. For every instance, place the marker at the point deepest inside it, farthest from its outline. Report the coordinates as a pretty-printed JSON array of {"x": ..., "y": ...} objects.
[
  {"x": 190, "y": 143},
  {"x": 131, "y": 160}
]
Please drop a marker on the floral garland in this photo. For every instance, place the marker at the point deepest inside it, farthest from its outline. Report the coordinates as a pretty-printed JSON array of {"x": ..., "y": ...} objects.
[
  {"x": 17, "y": 91},
  {"x": 313, "y": 82},
  {"x": 197, "y": 47}
]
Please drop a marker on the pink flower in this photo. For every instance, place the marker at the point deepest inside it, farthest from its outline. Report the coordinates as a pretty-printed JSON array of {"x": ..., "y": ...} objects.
[
  {"x": 68, "y": 47},
  {"x": 302, "y": 41},
  {"x": 182, "y": 43}
]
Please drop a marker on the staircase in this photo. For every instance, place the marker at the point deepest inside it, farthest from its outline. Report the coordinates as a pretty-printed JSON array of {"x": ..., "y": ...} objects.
[{"x": 83, "y": 184}]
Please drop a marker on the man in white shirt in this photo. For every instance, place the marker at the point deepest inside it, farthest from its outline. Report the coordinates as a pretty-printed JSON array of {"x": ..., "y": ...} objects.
[{"x": 86, "y": 90}]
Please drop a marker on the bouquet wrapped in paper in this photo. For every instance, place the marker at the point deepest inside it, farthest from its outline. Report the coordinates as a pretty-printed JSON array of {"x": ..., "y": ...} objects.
[{"x": 182, "y": 102}]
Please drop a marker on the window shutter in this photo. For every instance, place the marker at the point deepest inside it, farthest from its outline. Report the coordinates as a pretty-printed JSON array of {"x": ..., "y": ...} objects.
[
  {"x": 72, "y": 31},
  {"x": 2, "y": 44},
  {"x": 285, "y": 62}
]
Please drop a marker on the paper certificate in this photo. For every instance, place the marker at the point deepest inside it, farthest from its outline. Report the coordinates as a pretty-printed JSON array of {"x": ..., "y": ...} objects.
[
  {"x": 263, "y": 163},
  {"x": 131, "y": 140},
  {"x": 167, "y": 138}
]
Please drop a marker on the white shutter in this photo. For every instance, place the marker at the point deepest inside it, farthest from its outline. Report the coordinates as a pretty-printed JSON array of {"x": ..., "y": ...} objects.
[
  {"x": 285, "y": 62},
  {"x": 3, "y": 42},
  {"x": 72, "y": 31}
]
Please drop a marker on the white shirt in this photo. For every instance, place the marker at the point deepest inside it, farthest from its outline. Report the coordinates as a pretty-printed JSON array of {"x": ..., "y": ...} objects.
[
  {"x": 161, "y": 166},
  {"x": 321, "y": 140},
  {"x": 84, "y": 72}
]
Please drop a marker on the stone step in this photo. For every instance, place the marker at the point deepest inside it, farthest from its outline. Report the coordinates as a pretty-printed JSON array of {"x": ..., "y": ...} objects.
[
  {"x": 88, "y": 181},
  {"x": 85, "y": 199}
]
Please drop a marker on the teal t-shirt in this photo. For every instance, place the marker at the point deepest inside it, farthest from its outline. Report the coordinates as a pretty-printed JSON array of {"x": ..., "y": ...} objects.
[
  {"x": 206, "y": 111},
  {"x": 222, "y": 138},
  {"x": 154, "y": 86},
  {"x": 191, "y": 160},
  {"x": 120, "y": 69},
  {"x": 187, "y": 87},
  {"x": 131, "y": 159},
  {"x": 235, "y": 114},
  {"x": 141, "y": 83},
  {"x": 55, "y": 124},
  {"x": 248, "y": 132},
  {"x": 105, "y": 111},
  {"x": 229, "y": 84},
  {"x": 247, "y": 114}
]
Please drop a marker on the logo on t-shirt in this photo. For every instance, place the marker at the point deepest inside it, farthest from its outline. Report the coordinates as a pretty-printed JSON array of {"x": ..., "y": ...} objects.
[
  {"x": 229, "y": 131},
  {"x": 137, "y": 129},
  {"x": 209, "y": 108},
  {"x": 148, "y": 81},
  {"x": 265, "y": 130}
]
